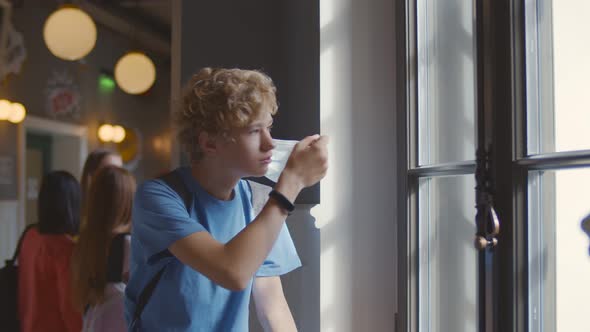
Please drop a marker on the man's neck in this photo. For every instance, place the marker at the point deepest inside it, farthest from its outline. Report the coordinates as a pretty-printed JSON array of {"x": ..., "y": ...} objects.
[{"x": 214, "y": 179}]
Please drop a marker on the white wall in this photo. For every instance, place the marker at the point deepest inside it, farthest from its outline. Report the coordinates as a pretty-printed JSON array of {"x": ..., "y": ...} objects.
[
  {"x": 9, "y": 230},
  {"x": 358, "y": 197},
  {"x": 66, "y": 154}
]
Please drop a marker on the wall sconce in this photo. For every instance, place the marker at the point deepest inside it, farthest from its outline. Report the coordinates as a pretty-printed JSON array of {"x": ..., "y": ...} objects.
[
  {"x": 13, "y": 112},
  {"x": 111, "y": 133},
  {"x": 69, "y": 33},
  {"x": 118, "y": 134},
  {"x": 135, "y": 73}
]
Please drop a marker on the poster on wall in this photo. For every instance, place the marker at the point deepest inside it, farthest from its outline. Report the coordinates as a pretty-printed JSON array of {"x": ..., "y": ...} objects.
[{"x": 63, "y": 96}]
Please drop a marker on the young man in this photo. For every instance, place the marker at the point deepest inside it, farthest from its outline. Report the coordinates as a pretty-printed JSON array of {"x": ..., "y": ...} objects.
[{"x": 217, "y": 253}]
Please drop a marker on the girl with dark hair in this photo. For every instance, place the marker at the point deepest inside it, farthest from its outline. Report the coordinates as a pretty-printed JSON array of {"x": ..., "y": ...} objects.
[
  {"x": 100, "y": 266},
  {"x": 44, "y": 288}
]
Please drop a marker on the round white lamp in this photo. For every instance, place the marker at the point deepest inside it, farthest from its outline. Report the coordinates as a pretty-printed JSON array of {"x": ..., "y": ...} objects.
[
  {"x": 5, "y": 109},
  {"x": 18, "y": 113},
  {"x": 135, "y": 73},
  {"x": 69, "y": 33},
  {"x": 106, "y": 133},
  {"x": 118, "y": 134}
]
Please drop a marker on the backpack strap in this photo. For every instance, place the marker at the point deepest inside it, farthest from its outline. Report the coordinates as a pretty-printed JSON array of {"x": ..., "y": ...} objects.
[
  {"x": 176, "y": 183},
  {"x": 144, "y": 297},
  {"x": 19, "y": 244}
]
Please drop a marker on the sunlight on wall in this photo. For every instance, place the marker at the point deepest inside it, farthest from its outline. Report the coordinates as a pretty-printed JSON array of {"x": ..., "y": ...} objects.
[
  {"x": 327, "y": 9},
  {"x": 327, "y": 74},
  {"x": 324, "y": 213},
  {"x": 335, "y": 108},
  {"x": 327, "y": 272},
  {"x": 335, "y": 122}
]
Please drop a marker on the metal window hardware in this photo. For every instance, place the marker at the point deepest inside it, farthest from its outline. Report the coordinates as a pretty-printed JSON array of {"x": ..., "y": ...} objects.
[{"x": 487, "y": 221}]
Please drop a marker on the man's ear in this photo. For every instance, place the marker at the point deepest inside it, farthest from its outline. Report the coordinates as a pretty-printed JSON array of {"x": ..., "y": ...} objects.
[{"x": 207, "y": 143}]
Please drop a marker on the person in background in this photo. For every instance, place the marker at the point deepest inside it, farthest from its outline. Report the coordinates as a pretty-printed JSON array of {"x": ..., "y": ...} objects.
[
  {"x": 100, "y": 265},
  {"x": 44, "y": 288},
  {"x": 95, "y": 161}
]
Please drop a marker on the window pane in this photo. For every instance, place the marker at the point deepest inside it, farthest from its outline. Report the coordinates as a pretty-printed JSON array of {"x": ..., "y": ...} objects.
[
  {"x": 559, "y": 264},
  {"x": 558, "y": 75},
  {"x": 447, "y": 259},
  {"x": 446, "y": 81}
]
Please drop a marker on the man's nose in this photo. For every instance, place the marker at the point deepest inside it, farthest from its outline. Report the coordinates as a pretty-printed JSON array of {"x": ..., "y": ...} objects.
[{"x": 268, "y": 143}]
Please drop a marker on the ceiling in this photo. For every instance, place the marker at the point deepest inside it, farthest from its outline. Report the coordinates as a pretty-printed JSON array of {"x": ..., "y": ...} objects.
[
  {"x": 154, "y": 10},
  {"x": 146, "y": 21}
]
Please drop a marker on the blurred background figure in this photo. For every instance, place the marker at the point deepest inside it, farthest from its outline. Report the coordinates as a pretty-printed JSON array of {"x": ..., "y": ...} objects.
[
  {"x": 44, "y": 286},
  {"x": 94, "y": 162},
  {"x": 100, "y": 267}
]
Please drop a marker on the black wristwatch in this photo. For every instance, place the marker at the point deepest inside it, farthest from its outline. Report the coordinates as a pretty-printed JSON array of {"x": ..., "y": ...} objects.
[{"x": 283, "y": 201}]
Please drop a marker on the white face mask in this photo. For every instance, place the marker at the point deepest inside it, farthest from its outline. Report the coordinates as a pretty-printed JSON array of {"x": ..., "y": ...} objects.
[{"x": 280, "y": 155}]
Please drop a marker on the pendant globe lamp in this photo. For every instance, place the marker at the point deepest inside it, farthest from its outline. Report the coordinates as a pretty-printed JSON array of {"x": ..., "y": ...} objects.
[
  {"x": 18, "y": 113},
  {"x": 69, "y": 33},
  {"x": 135, "y": 73},
  {"x": 5, "y": 109}
]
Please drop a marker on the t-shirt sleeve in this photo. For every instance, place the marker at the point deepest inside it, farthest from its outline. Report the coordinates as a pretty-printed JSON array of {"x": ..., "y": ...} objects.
[
  {"x": 283, "y": 257},
  {"x": 160, "y": 218}
]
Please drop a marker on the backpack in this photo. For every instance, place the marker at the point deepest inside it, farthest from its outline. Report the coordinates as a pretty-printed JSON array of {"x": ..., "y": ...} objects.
[
  {"x": 174, "y": 181},
  {"x": 9, "y": 320}
]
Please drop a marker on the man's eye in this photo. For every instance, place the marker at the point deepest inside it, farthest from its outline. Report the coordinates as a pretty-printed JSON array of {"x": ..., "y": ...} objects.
[{"x": 254, "y": 131}]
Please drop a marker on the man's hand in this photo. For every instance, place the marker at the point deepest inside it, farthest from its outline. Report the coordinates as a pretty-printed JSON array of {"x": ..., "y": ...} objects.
[{"x": 306, "y": 166}]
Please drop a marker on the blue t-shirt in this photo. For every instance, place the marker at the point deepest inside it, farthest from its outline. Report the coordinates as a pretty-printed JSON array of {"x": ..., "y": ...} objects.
[{"x": 184, "y": 299}]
